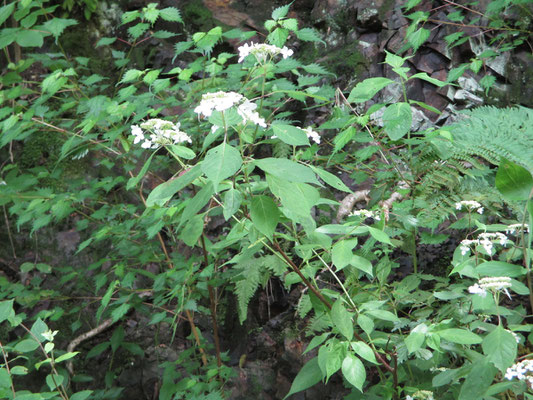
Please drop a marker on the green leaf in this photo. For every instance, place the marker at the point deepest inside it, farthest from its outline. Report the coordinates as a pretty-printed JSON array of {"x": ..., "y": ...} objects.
[
  {"x": 6, "y": 310},
  {"x": 182, "y": 151},
  {"x": 232, "y": 202},
  {"x": 331, "y": 179},
  {"x": 297, "y": 198},
  {"x": 105, "y": 41},
  {"x": 171, "y": 14},
  {"x": 290, "y": 134},
  {"x": 500, "y": 268},
  {"x": 138, "y": 30},
  {"x": 220, "y": 163},
  {"x": 397, "y": 120},
  {"x": 330, "y": 358},
  {"x": 164, "y": 192},
  {"x": 513, "y": 181},
  {"x": 132, "y": 182},
  {"x": 379, "y": 235},
  {"x": 207, "y": 41},
  {"x": 354, "y": 371},
  {"x": 265, "y": 215},
  {"x": 56, "y": 26},
  {"x": 53, "y": 381},
  {"x": 83, "y": 395},
  {"x": 192, "y": 230},
  {"x": 363, "y": 350},
  {"x": 120, "y": 311},
  {"x": 131, "y": 75},
  {"x": 5, "y": 12},
  {"x": 66, "y": 356},
  {"x": 500, "y": 347},
  {"x": 425, "y": 77},
  {"x": 29, "y": 38},
  {"x": 341, "y": 253},
  {"x": 367, "y": 89},
  {"x": 342, "y": 319},
  {"x": 366, "y": 323},
  {"x": 26, "y": 345},
  {"x": 393, "y": 60},
  {"x": 278, "y": 36},
  {"x": 383, "y": 314},
  {"x": 287, "y": 170},
  {"x": 362, "y": 264},
  {"x": 197, "y": 202},
  {"x": 308, "y": 376},
  {"x": 316, "y": 341},
  {"x": 477, "y": 381},
  {"x": 38, "y": 328},
  {"x": 460, "y": 336},
  {"x": 309, "y": 35},
  {"x": 418, "y": 37},
  {"x": 280, "y": 12}
]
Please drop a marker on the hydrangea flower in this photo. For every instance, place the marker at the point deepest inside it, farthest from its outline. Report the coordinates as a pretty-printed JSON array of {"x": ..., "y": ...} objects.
[
  {"x": 222, "y": 101},
  {"x": 514, "y": 228},
  {"x": 521, "y": 371},
  {"x": 486, "y": 240},
  {"x": 491, "y": 284},
  {"x": 470, "y": 205},
  {"x": 366, "y": 214},
  {"x": 161, "y": 133},
  {"x": 421, "y": 395},
  {"x": 262, "y": 51}
]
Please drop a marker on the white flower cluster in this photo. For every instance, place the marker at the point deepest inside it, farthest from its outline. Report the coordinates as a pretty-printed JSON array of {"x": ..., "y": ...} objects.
[
  {"x": 470, "y": 206},
  {"x": 366, "y": 214},
  {"x": 262, "y": 51},
  {"x": 516, "y": 337},
  {"x": 311, "y": 134},
  {"x": 222, "y": 101},
  {"x": 161, "y": 133},
  {"x": 492, "y": 284},
  {"x": 522, "y": 371},
  {"x": 514, "y": 228},
  {"x": 421, "y": 395},
  {"x": 485, "y": 240}
]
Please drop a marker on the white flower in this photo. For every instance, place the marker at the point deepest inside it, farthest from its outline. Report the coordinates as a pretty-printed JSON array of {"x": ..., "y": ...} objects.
[
  {"x": 470, "y": 205},
  {"x": 486, "y": 240},
  {"x": 247, "y": 113},
  {"x": 49, "y": 335},
  {"x": 492, "y": 284},
  {"x": 521, "y": 371},
  {"x": 421, "y": 395},
  {"x": 161, "y": 133},
  {"x": 516, "y": 337},
  {"x": 262, "y": 51},
  {"x": 366, "y": 214},
  {"x": 514, "y": 228},
  {"x": 311, "y": 134}
]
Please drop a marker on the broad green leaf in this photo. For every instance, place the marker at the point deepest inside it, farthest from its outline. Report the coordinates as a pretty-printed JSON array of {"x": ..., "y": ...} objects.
[
  {"x": 379, "y": 235},
  {"x": 500, "y": 268},
  {"x": 278, "y": 36},
  {"x": 206, "y": 41},
  {"x": 513, "y": 181},
  {"x": 393, "y": 60},
  {"x": 197, "y": 203},
  {"x": 342, "y": 319},
  {"x": 120, "y": 311},
  {"x": 363, "y": 350},
  {"x": 6, "y": 310},
  {"x": 192, "y": 230},
  {"x": 66, "y": 356},
  {"x": 105, "y": 41},
  {"x": 418, "y": 37},
  {"x": 362, "y": 264},
  {"x": 309, "y": 35},
  {"x": 397, "y": 120},
  {"x": 265, "y": 215},
  {"x": 163, "y": 193},
  {"x": 354, "y": 371},
  {"x": 367, "y": 89},
  {"x": 383, "y": 314},
  {"x": 232, "y": 203},
  {"x": 287, "y": 170},
  {"x": 341, "y": 253},
  {"x": 53, "y": 381},
  {"x": 38, "y": 328},
  {"x": 331, "y": 179},
  {"x": 290, "y": 134},
  {"x": 460, "y": 336},
  {"x": 500, "y": 347},
  {"x": 477, "y": 381},
  {"x": 316, "y": 341},
  {"x": 366, "y": 323},
  {"x": 220, "y": 163},
  {"x": 131, "y": 75},
  {"x": 26, "y": 345},
  {"x": 308, "y": 376},
  {"x": 171, "y": 14},
  {"x": 182, "y": 151},
  {"x": 5, "y": 11},
  {"x": 425, "y": 77},
  {"x": 414, "y": 341},
  {"x": 56, "y": 26},
  {"x": 29, "y": 38},
  {"x": 83, "y": 395},
  {"x": 280, "y": 12},
  {"x": 298, "y": 198}
]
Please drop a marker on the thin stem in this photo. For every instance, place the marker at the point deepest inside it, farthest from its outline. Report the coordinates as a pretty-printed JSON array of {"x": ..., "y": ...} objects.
[{"x": 6, "y": 363}]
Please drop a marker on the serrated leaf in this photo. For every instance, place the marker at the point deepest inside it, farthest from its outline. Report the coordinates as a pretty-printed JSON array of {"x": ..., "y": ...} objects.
[
  {"x": 131, "y": 75},
  {"x": 278, "y": 36},
  {"x": 500, "y": 347},
  {"x": 120, "y": 311},
  {"x": 309, "y": 35},
  {"x": 418, "y": 37},
  {"x": 56, "y": 26},
  {"x": 280, "y": 12},
  {"x": 477, "y": 381},
  {"x": 171, "y": 14},
  {"x": 341, "y": 253},
  {"x": 138, "y": 30},
  {"x": 6, "y": 310},
  {"x": 397, "y": 120},
  {"x": 342, "y": 319},
  {"x": 354, "y": 371},
  {"x": 264, "y": 214},
  {"x": 367, "y": 89},
  {"x": 220, "y": 163}
]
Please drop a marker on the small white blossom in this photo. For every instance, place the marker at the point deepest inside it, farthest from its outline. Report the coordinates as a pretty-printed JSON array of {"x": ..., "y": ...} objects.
[
  {"x": 366, "y": 214},
  {"x": 514, "y": 228},
  {"x": 521, "y": 371},
  {"x": 491, "y": 284},
  {"x": 421, "y": 395},
  {"x": 486, "y": 240},
  {"x": 516, "y": 337},
  {"x": 247, "y": 113},
  {"x": 311, "y": 134},
  {"x": 470, "y": 205},
  {"x": 49, "y": 335},
  {"x": 161, "y": 133},
  {"x": 262, "y": 51}
]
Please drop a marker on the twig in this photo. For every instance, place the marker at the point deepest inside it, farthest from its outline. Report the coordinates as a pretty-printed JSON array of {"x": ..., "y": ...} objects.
[{"x": 8, "y": 370}]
